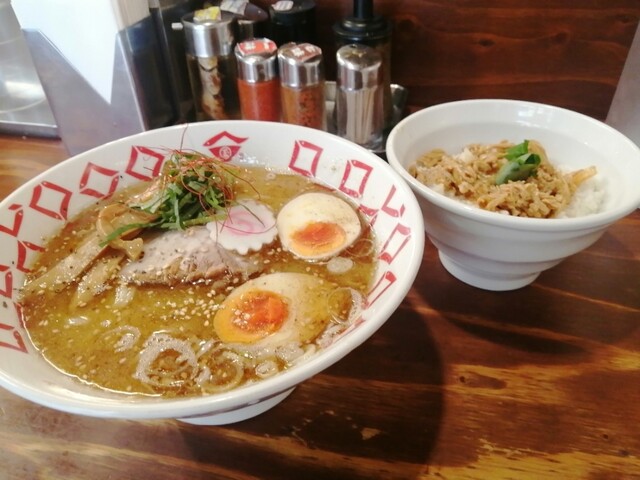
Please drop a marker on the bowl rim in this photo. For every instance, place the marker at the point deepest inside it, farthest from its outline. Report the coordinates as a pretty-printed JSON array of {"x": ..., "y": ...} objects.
[
  {"x": 157, "y": 407},
  {"x": 509, "y": 221}
]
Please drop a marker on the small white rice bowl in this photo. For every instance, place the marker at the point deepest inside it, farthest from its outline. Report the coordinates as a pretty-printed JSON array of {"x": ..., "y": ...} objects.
[{"x": 497, "y": 251}]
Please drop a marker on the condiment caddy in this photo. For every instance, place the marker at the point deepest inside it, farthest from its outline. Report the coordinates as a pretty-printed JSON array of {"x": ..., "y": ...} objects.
[{"x": 264, "y": 79}]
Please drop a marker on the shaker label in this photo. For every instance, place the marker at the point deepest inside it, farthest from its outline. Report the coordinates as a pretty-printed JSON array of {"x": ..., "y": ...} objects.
[
  {"x": 283, "y": 5},
  {"x": 305, "y": 51},
  {"x": 234, "y": 6},
  {"x": 257, "y": 47}
]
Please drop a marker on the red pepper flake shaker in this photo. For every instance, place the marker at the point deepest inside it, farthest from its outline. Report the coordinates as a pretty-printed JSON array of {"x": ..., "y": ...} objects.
[
  {"x": 258, "y": 82},
  {"x": 302, "y": 85}
]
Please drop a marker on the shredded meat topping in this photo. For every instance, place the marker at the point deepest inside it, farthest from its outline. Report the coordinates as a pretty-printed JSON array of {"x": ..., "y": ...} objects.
[{"x": 470, "y": 176}]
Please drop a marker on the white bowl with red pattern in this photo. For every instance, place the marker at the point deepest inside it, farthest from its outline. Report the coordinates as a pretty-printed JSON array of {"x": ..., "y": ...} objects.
[{"x": 41, "y": 206}]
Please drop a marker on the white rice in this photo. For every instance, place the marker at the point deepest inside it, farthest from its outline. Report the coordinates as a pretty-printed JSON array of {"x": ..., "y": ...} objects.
[{"x": 588, "y": 199}]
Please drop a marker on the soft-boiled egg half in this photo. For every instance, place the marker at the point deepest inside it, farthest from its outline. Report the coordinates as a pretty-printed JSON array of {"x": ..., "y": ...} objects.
[
  {"x": 317, "y": 225},
  {"x": 274, "y": 310}
]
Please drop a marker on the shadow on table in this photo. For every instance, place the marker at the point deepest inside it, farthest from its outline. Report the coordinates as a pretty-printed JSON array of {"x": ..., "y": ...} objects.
[
  {"x": 375, "y": 414},
  {"x": 567, "y": 310}
]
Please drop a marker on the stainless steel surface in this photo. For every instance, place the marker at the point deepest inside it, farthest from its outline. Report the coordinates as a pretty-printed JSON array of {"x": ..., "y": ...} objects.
[
  {"x": 359, "y": 67},
  {"x": 366, "y": 27},
  {"x": 24, "y": 109},
  {"x": 257, "y": 60},
  {"x": 399, "y": 96},
  {"x": 212, "y": 65},
  {"x": 140, "y": 98},
  {"x": 300, "y": 64},
  {"x": 210, "y": 38},
  {"x": 172, "y": 45},
  {"x": 359, "y": 105}
]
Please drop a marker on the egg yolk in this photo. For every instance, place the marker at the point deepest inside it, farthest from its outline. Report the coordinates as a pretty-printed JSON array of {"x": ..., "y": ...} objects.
[
  {"x": 251, "y": 317},
  {"x": 318, "y": 238}
]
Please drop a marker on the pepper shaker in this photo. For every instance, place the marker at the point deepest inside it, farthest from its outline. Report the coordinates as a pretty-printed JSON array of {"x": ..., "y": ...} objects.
[
  {"x": 302, "y": 85},
  {"x": 258, "y": 82},
  {"x": 366, "y": 28},
  {"x": 359, "y": 107}
]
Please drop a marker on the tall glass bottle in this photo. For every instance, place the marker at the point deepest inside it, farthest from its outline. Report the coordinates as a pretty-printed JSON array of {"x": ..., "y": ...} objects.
[{"x": 212, "y": 66}]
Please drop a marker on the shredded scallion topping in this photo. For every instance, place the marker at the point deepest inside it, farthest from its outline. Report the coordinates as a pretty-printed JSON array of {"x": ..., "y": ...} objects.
[{"x": 192, "y": 189}]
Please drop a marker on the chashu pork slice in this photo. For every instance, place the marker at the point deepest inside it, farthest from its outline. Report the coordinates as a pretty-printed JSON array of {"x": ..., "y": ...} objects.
[{"x": 179, "y": 256}]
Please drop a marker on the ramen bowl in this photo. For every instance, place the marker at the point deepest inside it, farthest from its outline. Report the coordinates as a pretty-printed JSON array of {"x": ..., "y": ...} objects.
[
  {"x": 44, "y": 204},
  {"x": 496, "y": 251}
]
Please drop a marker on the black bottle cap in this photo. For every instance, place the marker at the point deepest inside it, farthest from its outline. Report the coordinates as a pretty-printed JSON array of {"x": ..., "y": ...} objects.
[
  {"x": 292, "y": 21},
  {"x": 364, "y": 26}
]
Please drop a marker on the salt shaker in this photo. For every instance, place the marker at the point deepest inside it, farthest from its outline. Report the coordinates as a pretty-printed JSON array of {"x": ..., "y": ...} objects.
[
  {"x": 302, "y": 85},
  {"x": 258, "y": 82},
  {"x": 366, "y": 28},
  {"x": 359, "y": 106}
]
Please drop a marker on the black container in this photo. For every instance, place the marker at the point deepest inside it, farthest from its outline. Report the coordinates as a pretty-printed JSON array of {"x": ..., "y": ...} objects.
[{"x": 292, "y": 21}]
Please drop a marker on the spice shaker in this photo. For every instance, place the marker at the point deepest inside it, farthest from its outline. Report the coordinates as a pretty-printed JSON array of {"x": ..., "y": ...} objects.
[
  {"x": 359, "y": 95},
  {"x": 258, "y": 82},
  {"x": 366, "y": 28},
  {"x": 302, "y": 85},
  {"x": 292, "y": 21},
  {"x": 210, "y": 40}
]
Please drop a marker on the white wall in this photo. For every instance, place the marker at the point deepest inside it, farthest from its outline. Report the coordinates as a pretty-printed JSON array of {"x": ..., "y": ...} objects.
[{"x": 624, "y": 113}]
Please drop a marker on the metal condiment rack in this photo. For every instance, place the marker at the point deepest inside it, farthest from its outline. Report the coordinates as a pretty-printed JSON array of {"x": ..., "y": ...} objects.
[{"x": 399, "y": 100}]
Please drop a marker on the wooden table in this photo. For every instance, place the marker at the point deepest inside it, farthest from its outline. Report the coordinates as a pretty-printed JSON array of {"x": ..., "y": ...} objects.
[{"x": 460, "y": 383}]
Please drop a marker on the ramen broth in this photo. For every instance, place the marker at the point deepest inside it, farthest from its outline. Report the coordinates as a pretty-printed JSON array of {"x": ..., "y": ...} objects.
[{"x": 161, "y": 340}]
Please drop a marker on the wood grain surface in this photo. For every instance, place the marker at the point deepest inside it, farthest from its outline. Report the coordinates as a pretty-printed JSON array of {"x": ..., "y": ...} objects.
[
  {"x": 568, "y": 53},
  {"x": 460, "y": 383}
]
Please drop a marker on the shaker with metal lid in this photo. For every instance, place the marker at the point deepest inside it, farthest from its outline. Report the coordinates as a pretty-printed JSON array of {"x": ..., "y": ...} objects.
[
  {"x": 359, "y": 106},
  {"x": 258, "y": 82},
  {"x": 302, "y": 85},
  {"x": 212, "y": 64},
  {"x": 365, "y": 27}
]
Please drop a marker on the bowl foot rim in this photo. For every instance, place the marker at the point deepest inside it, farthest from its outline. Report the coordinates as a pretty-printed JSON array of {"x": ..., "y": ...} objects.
[
  {"x": 240, "y": 414},
  {"x": 482, "y": 279}
]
